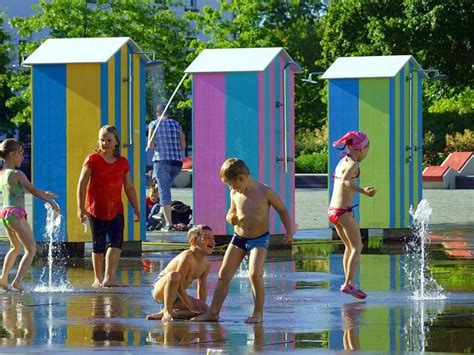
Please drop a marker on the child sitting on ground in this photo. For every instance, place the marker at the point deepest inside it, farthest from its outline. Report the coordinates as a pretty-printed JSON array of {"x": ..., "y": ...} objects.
[
  {"x": 192, "y": 264},
  {"x": 152, "y": 209}
]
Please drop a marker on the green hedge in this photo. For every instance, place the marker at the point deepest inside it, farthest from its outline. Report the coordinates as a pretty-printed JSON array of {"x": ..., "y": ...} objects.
[{"x": 314, "y": 163}]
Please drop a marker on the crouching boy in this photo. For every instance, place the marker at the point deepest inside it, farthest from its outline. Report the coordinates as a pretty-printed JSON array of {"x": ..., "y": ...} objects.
[{"x": 192, "y": 264}]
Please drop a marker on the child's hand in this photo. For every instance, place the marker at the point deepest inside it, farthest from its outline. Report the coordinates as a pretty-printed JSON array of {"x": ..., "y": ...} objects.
[
  {"x": 288, "y": 238},
  {"x": 54, "y": 205},
  {"x": 369, "y": 191},
  {"x": 82, "y": 215},
  {"x": 137, "y": 215},
  {"x": 51, "y": 194},
  {"x": 232, "y": 218}
]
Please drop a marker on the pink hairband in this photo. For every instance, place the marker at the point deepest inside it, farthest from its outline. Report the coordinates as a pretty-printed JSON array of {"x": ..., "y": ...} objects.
[{"x": 353, "y": 139}]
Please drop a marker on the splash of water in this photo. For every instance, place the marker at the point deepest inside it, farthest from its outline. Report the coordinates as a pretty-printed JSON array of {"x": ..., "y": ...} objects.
[
  {"x": 420, "y": 278},
  {"x": 51, "y": 232}
]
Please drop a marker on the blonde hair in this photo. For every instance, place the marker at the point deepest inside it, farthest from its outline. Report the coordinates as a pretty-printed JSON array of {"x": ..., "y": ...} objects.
[
  {"x": 109, "y": 129},
  {"x": 153, "y": 190},
  {"x": 197, "y": 232},
  {"x": 232, "y": 168},
  {"x": 10, "y": 145}
]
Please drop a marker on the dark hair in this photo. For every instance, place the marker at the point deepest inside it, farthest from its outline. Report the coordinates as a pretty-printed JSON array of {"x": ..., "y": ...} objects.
[
  {"x": 10, "y": 145},
  {"x": 113, "y": 130}
]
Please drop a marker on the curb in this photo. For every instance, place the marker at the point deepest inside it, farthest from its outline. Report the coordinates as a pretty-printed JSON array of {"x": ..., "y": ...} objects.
[{"x": 311, "y": 181}]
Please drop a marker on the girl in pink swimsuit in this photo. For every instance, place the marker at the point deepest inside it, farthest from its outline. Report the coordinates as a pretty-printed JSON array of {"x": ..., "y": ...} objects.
[
  {"x": 13, "y": 215},
  {"x": 345, "y": 186}
]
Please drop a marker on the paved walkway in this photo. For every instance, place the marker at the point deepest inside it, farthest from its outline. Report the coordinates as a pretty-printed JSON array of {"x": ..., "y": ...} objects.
[{"x": 449, "y": 206}]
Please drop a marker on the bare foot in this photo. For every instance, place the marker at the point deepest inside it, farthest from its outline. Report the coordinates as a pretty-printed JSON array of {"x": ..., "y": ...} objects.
[
  {"x": 4, "y": 285},
  {"x": 155, "y": 316},
  {"x": 206, "y": 317},
  {"x": 96, "y": 284},
  {"x": 255, "y": 318},
  {"x": 113, "y": 283},
  {"x": 18, "y": 287},
  {"x": 167, "y": 317}
]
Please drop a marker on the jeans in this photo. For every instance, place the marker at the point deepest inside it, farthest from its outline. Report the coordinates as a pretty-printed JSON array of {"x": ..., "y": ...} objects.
[
  {"x": 165, "y": 171},
  {"x": 154, "y": 210}
]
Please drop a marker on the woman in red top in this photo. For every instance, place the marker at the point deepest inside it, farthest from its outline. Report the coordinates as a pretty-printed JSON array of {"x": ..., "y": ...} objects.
[{"x": 103, "y": 174}]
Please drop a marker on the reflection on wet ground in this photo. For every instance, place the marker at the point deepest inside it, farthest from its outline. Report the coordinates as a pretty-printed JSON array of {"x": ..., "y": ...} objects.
[{"x": 304, "y": 309}]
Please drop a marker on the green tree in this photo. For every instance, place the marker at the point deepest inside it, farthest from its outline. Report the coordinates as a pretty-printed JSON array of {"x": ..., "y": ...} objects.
[
  {"x": 271, "y": 23},
  {"x": 438, "y": 33},
  {"x": 152, "y": 25},
  {"x": 6, "y": 124}
]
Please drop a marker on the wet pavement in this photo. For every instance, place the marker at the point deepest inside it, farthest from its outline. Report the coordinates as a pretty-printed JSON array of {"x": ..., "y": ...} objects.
[{"x": 304, "y": 310}]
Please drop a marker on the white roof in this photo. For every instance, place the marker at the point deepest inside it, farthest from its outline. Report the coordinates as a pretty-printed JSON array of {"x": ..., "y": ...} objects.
[
  {"x": 235, "y": 60},
  {"x": 368, "y": 67},
  {"x": 78, "y": 50}
]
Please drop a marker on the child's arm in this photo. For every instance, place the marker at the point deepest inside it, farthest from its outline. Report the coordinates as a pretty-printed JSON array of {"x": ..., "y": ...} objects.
[
  {"x": 202, "y": 285},
  {"x": 280, "y": 207},
  {"x": 231, "y": 217},
  {"x": 184, "y": 268},
  {"x": 44, "y": 195},
  {"x": 81, "y": 193},
  {"x": 349, "y": 183},
  {"x": 132, "y": 195}
]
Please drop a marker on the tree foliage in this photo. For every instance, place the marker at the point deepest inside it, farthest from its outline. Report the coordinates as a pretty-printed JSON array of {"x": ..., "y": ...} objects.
[
  {"x": 6, "y": 125},
  {"x": 271, "y": 23},
  {"x": 438, "y": 33}
]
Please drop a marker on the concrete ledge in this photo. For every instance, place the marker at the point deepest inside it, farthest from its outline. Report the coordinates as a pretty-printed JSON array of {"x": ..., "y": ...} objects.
[
  {"x": 311, "y": 181},
  {"x": 60, "y": 250},
  {"x": 465, "y": 182},
  {"x": 132, "y": 248}
]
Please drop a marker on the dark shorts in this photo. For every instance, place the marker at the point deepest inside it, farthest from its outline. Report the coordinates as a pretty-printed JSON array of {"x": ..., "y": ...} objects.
[
  {"x": 102, "y": 228},
  {"x": 248, "y": 244}
]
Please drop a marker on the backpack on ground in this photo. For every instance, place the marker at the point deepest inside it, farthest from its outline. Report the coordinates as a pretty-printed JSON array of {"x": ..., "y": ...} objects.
[{"x": 180, "y": 213}]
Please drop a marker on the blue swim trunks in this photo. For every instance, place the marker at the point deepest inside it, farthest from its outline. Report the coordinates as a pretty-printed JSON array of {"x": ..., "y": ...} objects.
[{"x": 248, "y": 244}]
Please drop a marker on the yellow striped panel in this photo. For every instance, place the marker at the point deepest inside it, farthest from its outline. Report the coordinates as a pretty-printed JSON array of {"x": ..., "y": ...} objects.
[
  {"x": 124, "y": 127},
  {"x": 83, "y": 117},
  {"x": 137, "y": 164}
]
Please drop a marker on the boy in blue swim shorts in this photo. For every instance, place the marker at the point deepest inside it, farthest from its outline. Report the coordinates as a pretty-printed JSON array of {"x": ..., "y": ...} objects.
[
  {"x": 249, "y": 214},
  {"x": 192, "y": 264}
]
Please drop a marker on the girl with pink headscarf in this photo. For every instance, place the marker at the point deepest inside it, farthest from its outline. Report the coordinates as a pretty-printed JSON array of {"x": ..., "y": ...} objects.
[{"x": 345, "y": 186}]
